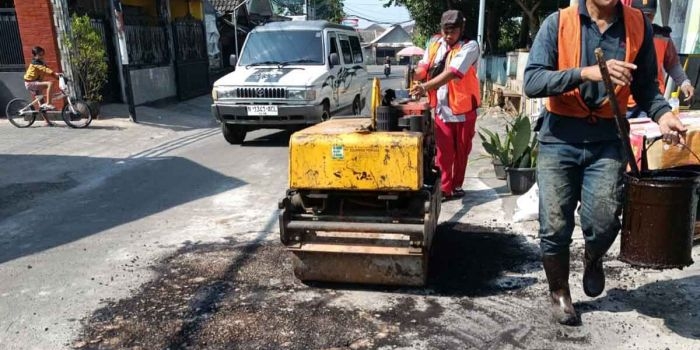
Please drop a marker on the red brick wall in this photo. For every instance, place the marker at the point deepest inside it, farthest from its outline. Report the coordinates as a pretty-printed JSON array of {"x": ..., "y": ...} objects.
[{"x": 35, "y": 19}]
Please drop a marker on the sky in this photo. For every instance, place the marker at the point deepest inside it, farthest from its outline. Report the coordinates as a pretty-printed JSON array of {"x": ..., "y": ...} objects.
[{"x": 374, "y": 10}]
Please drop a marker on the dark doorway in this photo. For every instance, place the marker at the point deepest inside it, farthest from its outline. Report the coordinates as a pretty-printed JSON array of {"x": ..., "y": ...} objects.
[
  {"x": 11, "y": 56},
  {"x": 191, "y": 58}
]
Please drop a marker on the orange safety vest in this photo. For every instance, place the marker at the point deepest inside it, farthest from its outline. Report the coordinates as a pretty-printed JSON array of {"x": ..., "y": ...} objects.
[
  {"x": 660, "y": 45},
  {"x": 571, "y": 103},
  {"x": 463, "y": 94}
]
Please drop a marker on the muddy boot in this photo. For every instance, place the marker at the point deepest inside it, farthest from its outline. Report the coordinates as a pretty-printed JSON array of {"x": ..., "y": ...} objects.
[
  {"x": 557, "y": 269},
  {"x": 593, "y": 274}
]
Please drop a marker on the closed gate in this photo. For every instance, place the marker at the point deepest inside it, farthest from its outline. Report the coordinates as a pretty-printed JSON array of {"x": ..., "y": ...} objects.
[
  {"x": 11, "y": 56},
  {"x": 111, "y": 92},
  {"x": 191, "y": 58}
]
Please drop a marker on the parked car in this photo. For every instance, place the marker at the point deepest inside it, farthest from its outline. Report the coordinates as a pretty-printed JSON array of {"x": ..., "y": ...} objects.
[{"x": 289, "y": 75}]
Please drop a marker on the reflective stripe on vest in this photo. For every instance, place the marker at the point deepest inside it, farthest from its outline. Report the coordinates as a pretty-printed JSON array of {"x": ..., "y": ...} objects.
[
  {"x": 463, "y": 94},
  {"x": 570, "y": 103}
]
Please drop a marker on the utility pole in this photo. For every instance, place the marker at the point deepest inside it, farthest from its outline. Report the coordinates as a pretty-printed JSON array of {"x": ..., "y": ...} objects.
[
  {"x": 118, "y": 20},
  {"x": 480, "y": 31}
]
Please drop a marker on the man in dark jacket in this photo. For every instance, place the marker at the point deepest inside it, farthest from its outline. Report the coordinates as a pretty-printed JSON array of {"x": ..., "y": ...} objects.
[{"x": 580, "y": 155}]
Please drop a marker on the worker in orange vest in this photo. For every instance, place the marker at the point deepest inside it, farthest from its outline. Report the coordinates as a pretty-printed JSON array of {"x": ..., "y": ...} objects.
[
  {"x": 666, "y": 58},
  {"x": 449, "y": 70},
  {"x": 580, "y": 153}
]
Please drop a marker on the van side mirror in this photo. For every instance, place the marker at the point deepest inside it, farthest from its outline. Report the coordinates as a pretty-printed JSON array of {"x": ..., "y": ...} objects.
[
  {"x": 334, "y": 59},
  {"x": 233, "y": 60}
]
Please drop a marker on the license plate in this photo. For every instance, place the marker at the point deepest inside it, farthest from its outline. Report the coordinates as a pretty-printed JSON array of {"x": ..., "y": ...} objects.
[{"x": 262, "y": 110}]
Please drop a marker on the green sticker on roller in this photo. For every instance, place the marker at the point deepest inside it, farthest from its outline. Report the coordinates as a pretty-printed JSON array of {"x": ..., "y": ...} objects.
[{"x": 338, "y": 152}]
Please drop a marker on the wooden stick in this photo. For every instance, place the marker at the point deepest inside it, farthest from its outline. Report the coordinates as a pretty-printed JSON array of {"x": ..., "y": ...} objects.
[{"x": 623, "y": 126}]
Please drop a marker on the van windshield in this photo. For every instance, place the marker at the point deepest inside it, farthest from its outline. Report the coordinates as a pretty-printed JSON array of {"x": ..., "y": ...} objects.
[{"x": 283, "y": 48}]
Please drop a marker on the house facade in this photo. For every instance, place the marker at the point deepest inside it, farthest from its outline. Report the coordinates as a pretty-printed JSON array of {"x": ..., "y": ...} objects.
[
  {"x": 163, "y": 43},
  {"x": 389, "y": 43}
]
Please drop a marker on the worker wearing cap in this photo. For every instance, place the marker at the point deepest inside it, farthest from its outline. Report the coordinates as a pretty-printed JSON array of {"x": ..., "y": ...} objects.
[
  {"x": 449, "y": 66},
  {"x": 580, "y": 154},
  {"x": 666, "y": 58}
]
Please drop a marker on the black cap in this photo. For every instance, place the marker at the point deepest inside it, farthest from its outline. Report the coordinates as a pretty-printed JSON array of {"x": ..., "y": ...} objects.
[
  {"x": 451, "y": 17},
  {"x": 647, "y": 6}
]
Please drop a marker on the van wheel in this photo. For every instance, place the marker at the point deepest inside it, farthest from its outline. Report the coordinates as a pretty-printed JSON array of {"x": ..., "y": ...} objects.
[
  {"x": 357, "y": 106},
  {"x": 326, "y": 111},
  {"x": 234, "y": 134}
]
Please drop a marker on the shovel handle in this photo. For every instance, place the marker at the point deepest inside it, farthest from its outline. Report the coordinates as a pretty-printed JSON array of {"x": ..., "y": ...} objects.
[{"x": 623, "y": 127}]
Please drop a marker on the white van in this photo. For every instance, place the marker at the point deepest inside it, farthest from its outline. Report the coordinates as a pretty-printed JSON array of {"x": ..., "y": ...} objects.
[{"x": 291, "y": 74}]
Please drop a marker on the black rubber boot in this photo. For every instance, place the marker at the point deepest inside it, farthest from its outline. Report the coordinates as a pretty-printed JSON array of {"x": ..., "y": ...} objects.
[
  {"x": 557, "y": 269},
  {"x": 593, "y": 274}
]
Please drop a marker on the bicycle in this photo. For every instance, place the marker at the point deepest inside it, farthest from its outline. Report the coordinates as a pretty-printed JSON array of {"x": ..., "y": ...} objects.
[{"x": 75, "y": 113}]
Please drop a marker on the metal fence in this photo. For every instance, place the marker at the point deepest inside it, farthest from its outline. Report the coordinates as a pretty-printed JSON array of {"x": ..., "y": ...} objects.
[
  {"x": 190, "y": 40},
  {"x": 11, "y": 56},
  {"x": 147, "y": 45}
]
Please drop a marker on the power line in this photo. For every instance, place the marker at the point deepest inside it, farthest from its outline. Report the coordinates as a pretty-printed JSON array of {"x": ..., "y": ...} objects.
[
  {"x": 352, "y": 12},
  {"x": 381, "y": 22},
  {"x": 361, "y": 13}
]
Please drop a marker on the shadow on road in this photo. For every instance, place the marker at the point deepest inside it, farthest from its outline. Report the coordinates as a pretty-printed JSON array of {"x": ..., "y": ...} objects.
[
  {"x": 470, "y": 260},
  {"x": 674, "y": 301},
  {"x": 35, "y": 216},
  {"x": 276, "y": 139}
]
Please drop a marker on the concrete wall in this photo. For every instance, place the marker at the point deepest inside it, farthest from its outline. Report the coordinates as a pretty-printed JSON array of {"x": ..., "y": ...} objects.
[
  {"x": 153, "y": 84},
  {"x": 11, "y": 86}
]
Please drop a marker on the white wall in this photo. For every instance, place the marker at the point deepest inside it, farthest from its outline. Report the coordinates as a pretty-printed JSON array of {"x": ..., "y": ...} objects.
[
  {"x": 692, "y": 28},
  {"x": 153, "y": 84}
]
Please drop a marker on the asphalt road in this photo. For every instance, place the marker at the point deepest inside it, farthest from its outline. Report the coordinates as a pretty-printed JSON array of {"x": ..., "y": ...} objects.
[
  {"x": 161, "y": 234},
  {"x": 83, "y": 213}
]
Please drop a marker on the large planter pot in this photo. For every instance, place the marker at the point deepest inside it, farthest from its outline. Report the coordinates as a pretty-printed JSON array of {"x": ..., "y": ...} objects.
[
  {"x": 499, "y": 169},
  {"x": 520, "y": 180}
]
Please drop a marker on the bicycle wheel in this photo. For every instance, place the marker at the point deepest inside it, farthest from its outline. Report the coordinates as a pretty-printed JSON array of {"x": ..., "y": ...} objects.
[
  {"x": 20, "y": 113},
  {"x": 79, "y": 116}
]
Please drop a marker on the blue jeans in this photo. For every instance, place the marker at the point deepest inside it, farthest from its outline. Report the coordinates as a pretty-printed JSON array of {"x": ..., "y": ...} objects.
[{"x": 587, "y": 172}]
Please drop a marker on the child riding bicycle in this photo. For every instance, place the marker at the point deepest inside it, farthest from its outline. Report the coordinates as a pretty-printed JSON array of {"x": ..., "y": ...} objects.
[{"x": 34, "y": 77}]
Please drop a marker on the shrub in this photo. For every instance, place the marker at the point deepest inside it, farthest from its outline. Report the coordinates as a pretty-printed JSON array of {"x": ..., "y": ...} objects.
[
  {"x": 517, "y": 148},
  {"x": 88, "y": 57},
  {"x": 524, "y": 143}
]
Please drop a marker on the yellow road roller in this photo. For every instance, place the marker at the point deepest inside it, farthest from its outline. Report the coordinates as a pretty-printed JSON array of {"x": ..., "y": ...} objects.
[{"x": 363, "y": 199}]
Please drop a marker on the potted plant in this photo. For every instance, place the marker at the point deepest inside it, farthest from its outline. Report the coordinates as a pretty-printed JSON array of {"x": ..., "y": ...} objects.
[
  {"x": 498, "y": 148},
  {"x": 521, "y": 170},
  {"x": 88, "y": 59}
]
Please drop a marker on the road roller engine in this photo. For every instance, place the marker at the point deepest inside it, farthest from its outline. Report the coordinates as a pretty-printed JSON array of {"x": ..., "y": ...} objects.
[{"x": 364, "y": 196}]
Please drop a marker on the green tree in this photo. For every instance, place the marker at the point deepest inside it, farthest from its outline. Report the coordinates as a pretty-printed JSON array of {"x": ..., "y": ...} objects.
[
  {"x": 88, "y": 57},
  {"x": 330, "y": 10},
  {"x": 295, "y": 7},
  {"x": 502, "y": 27}
]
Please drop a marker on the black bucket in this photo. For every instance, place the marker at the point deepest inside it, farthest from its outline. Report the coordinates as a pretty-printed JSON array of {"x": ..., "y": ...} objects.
[{"x": 659, "y": 219}]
